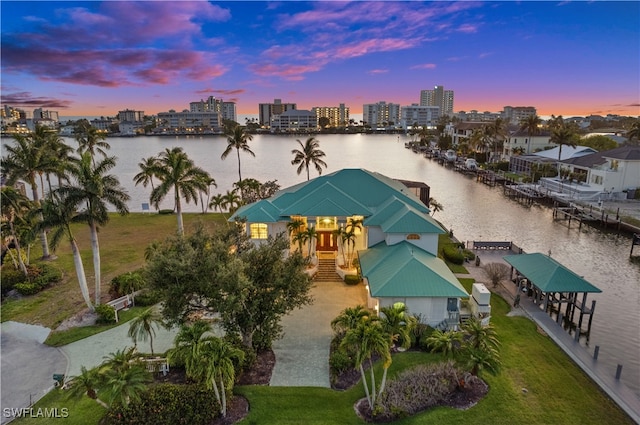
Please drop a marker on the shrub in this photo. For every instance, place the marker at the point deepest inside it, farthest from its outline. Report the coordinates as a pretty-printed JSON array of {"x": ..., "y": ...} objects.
[
  {"x": 147, "y": 298},
  {"x": 127, "y": 283},
  {"x": 165, "y": 211},
  {"x": 10, "y": 277},
  {"x": 453, "y": 254},
  {"x": 168, "y": 404},
  {"x": 340, "y": 361},
  {"x": 352, "y": 279},
  {"x": 46, "y": 275},
  {"x": 417, "y": 389},
  {"x": 106, "y": 314},
  {"x": 27, "y": 288}
]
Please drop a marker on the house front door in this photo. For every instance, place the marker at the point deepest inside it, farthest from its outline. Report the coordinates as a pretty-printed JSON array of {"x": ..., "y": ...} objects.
[{"x": 326, "y": 241}]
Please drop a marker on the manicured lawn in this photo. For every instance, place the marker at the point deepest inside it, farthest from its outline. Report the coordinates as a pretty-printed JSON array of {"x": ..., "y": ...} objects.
[
  {"x": 82, "y": 411},
  {"x": 122, "y": 244}
]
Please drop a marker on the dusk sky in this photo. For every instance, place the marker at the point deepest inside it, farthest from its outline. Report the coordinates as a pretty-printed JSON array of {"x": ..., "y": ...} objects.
[{"x": 96, "y": 58}]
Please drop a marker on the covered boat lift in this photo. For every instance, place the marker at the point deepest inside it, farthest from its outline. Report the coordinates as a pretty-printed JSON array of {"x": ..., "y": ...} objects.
[{"x": 553, "y": 284}]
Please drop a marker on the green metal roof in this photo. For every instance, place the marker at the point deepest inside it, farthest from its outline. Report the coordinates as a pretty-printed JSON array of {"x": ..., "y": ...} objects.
[
  {"x": 395, "y": 216},
  {"x": 547, "y": 274},
  {"x": 404, "y": 270},
  {"x": 350, "y": 191},
  {"x": 262, "y": 211}
]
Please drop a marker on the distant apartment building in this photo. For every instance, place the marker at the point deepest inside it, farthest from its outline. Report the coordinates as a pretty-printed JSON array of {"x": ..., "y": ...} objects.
[
  {"x": 420, "y": 116},
  {"x": 226, "y": 109},
  {"x": 381, "y": 114},
  {"x": 438, "y": 97},
  {"x": 475, "y": 116},
  {"x": 104, "y": 124},
  {"x": 131, "y": 115},
  {"x": 130, "y": 122},
  {"x": 41, "y": 114},
  {"x": 295, "y": 120},
  {"x": 267, "y": 111},
  {"x": 187, "y": 121},
  {"x": 338, "y": 115},
  {"x": 516, "y": 114}
]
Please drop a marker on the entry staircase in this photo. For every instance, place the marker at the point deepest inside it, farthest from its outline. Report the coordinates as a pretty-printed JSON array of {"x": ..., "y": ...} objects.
[{"x": 327, "y": 270}]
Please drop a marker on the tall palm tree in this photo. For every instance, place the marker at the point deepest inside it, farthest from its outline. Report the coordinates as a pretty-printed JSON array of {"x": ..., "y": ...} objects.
[
  {"x": 231, "y": 201},
  {"x": 92, "y": 191},
  {"x": 531, "y": 125},
  {"x": 142, "y": 327},
  {"x": 367, "y": 339},
  {"x": 186, "y": 344},
  {"x": 210, "y": 182},
  {"x": 91, "y": 140},
  {"x": 435, "y": 206},
  {"x": 633, "y": 135},
  {"x": 398, "y": 323},
  {"x": 310, "y": 236},
  {"x": 25, "y": 160},
  {"x": 145, "y": 176},
  {"x": 562, "y": 136},
  {"x": 217, "y": 363},
  {"x": 498, "y": 132},
  {"x": 350, "y": 318},
  {"x": 176, "y": 171},
  {"x": 14, "y": 204},
  {"x": 237, "y": 138},
  {"x": 58, "y": 215},
  {"x": 309, "y": 153}
]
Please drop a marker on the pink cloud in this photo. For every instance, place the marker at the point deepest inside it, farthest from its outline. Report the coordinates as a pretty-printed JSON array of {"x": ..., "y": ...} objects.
[
  {"x": 378, "y": 71},
  {"x": 370, "y": 46},
  {"x": 424, "y": 66},
  {"x": 26, "y": 99},
  {"x": 288, "y": 72}
]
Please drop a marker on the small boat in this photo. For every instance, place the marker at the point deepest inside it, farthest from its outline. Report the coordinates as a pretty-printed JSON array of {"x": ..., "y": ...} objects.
[
  {"x": 471, "y": 164},
  {"x": 450, "y": 155}
]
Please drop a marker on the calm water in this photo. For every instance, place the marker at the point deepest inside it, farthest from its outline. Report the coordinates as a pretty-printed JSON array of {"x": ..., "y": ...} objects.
[{"x": 472, "y": 210}]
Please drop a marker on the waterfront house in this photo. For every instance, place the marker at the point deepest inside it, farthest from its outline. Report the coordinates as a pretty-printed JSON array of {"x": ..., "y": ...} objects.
[{"x": 396, "y": 244}]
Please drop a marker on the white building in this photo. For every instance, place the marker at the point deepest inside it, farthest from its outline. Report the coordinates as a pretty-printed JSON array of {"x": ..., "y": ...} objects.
[
  {"x": 266, "y": 111},
  {"x": 226, "y": 109},
  {"x": 187, "y": 121},
  {"x": 520, "y": 142},
  {"x": 517, "y": 114},
  {"x": 338, "y": 115},
  {"x": 421, "y": 116},
  {"x": 381, "y": 114},
  {"x": 295, "y": 120},
  {"x": 438, "y": 97}
]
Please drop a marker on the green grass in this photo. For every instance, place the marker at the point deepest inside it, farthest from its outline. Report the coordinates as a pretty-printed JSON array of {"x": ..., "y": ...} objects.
[
  {"x": 82, "y": 411},
  {"x": 60, "y": 338}
]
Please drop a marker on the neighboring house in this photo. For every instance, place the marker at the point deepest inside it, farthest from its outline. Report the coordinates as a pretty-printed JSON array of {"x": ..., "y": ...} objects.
[
  {"x": 522, "y": 163},
  {"x": 614, "y": 174},
  {"x": 521, "y": 141},
  {"x": 397, "y": 245},
  {"x": 462, "y": 131}
]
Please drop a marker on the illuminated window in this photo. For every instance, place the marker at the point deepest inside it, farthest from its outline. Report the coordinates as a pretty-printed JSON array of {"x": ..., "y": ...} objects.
[
  {"x": 413, "y": 236},
  {"x": 326, "y": 223},
  {"x": 258, "y": 231}
]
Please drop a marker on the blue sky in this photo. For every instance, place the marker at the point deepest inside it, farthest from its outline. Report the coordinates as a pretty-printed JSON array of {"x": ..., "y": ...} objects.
[{"x": 96, "y": 58}]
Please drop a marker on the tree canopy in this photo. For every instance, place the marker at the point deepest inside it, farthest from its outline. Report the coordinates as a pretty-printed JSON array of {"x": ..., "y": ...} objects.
[{"x": 251, "y": 287}]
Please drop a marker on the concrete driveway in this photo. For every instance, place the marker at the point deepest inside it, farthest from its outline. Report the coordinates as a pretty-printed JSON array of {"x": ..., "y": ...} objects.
[
  {"x": 302, "y": 355},
  {"x": 27, "y": 365}
]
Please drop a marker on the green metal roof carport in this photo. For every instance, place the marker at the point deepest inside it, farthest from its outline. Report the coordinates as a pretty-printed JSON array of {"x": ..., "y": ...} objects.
[{"x": 552, "y": 278}]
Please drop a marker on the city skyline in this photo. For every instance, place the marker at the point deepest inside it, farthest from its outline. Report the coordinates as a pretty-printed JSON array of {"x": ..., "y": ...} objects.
[{"x": 96, "y": 58}]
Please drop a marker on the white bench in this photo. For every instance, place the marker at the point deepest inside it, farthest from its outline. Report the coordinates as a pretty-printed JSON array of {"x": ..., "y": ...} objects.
[{"x": 121, "y": 303}]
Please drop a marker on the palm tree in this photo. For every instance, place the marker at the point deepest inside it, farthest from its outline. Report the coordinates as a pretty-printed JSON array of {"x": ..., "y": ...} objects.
[
  {"x": 294, "y": 227},
  {"x": 237, "y": 138},
  {"x": 186, "y": 345},
  {"x": 93, "y": 190},
  {"x": 308, "y": 153},
  {"x": 85, "y": 383},
  {"x": 310, "y": 235},
  {"x": 633, "y": 135},
  {"x": 145, "y": 176},
  {"x": 58, "y": 214},
  {"x": 397, "y": 322},
  {"x": 24, "y": 160},
  {"x": 123, "y": 386},
  {"x": 562, "y": 136},
  {"x": 531, "y": 125},
  {"x": 435, "y": 206},
  {"x": 497, "y": 131},
  {"x": 349, "y": 319},
  {"x": 339, "y": 234},
  {"x": 447, "y": 342},
  {"x": 217, "y": 202},
  {"x": 176, "y": 171},
  {"x": 120, "y": 360},
  {"x": 91, "y": 140},
  {"x": 365, "y": 340},
  {"x": 231, "y": 201},
  {"x": 142, "y": 327},
  {"x": 479, "y": 335},
  {"x": 14, "y": 204},
  {"x": 218, "y": 360}
]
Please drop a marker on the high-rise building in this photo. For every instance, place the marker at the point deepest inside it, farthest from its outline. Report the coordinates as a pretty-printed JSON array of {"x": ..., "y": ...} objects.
[
  {"x": 266, "y": 111},
  {"x": 129, "y": 115},
  {"x": 438, "y": 97},
  {"x": 40, "y": 114},
  {"x": 421, "y": 116},
  {"x": 337, "y": 115},
  {"x": 381, "y": 113},
  {"x": 227, "y": 110}
]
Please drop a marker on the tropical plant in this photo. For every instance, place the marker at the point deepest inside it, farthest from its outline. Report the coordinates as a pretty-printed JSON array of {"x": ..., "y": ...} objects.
[
  {"x": 209, "y": 181},
  {"x": 121, "y": 386},
  {"x": 398, "y": 323},
  {"x": 217, "y": 367},
  {"x": 58, "y": 214},
  {"x": 562, "y": 136},
  {"x": 480, "y": 348},
  {"x": 91, "y": 140},
  {"x": 87, "y": 383},
  {"x": 24, "y": 160},
  {"x": 14, "y": 205},
  {"x": 178, "y": 173},
  {"x": 446, "y": 342},
  {"x": 310, "y": 235},
  {"x": 237, "y": 138},
  {"x": 142, "y": 327},
  {"x": 435, "y": 206},
  {"x": 294, "y": 227},
  {"x": 231, "y": 201},
  {"x": 92, "y": 191},
  {"x": 145, "y": 176},
  {"x": 349, "y": 318},
  {"x": 309, "y": 153},
  {"x": 367, "y": 339},
  {"x": 186, "y": 343},
  {"x": 633, "y": 135}
]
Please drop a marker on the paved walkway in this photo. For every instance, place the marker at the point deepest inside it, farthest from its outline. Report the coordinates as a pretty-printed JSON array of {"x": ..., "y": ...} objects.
[
  {"x": 605, "y": 378},
  {"x": 302, "y": 355}
]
